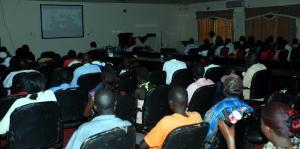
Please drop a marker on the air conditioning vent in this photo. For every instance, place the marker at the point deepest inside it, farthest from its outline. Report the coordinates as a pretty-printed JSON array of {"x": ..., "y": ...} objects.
[{"x": 235, "y": 3}]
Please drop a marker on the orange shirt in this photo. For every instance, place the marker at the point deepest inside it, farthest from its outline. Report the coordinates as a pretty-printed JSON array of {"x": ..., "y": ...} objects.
[{"x": 156, "y": 137}]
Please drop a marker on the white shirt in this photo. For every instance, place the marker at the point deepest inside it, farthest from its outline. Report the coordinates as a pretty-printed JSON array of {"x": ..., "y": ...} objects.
[
  {"x": 218, "y": 51},
  {"x": 7, "y": 83},
  {"x": 230, "y": 46},
  {"x": 188, "y": 47},
  {"x": 170, "y": 67},
  {"x": 85, "y": 69},
  {"x": 6, "y": 62},
  {"x": 213, "y": 40},
  {"x": 42, "y": 97},
  {"x": 248, "y": 75},
  {"x": 289, "y": 48},
  {"x": 209, "y": 67}
]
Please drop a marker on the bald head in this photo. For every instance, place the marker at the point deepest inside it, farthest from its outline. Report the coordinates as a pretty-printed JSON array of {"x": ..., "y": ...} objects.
[
  {"x": 105, "y": 101},
  {"x": 179, "y": 96}
]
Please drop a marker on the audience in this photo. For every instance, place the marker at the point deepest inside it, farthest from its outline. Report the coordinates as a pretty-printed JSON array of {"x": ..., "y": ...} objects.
[
  {"x": 231, "y": 109},
  {"x": 71, "y": 59},
  {"x": 171, "y": 66},
  {"x": 191, "y": 45},
  {"x": 105, "y": 103},
  {"x": 87, "y": 68},
  {"x": 35, "y": 85},
  {"x": 178, "y": 102},
  {"x": 253, "y": 67},
  {"x": 211, "y": 64},
  {"x": 61, "y": 79},
  {"x": 200, "y": 81}
]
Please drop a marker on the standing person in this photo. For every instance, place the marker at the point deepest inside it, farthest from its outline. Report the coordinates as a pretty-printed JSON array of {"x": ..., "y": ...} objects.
[{"x": 213, "y": 37}]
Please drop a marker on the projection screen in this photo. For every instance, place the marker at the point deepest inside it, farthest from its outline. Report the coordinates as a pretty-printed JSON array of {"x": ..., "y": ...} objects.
[{"x": 61, "y": 21}]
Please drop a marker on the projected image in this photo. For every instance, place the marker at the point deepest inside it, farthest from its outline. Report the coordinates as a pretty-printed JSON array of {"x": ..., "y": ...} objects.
[{"x": 62, "y": 21}]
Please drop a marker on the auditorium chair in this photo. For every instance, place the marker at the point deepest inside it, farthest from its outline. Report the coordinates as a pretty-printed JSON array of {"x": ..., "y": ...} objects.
[
  {"x": 72, "y": 106},
  {"x": 35, "y": 125},
  {"x": 128, "y": 82},
  {"x": 194, "y": 51},
  {"x": 214, "y": 74},
  {"x": 158, "y": 77},
  {"x": 187, "y": 137},
  {"x": 182, "y": 77},
  {"x": 88, "y": 82},
  {"x": 224, "y": 52},
  {"x": 202, "y": 99},
  {"x": 117, "y": 138},
  {"x": 126, "y": 108},
  {"x": 155, "y": 106},
  {"x": 5, "y": 104}
]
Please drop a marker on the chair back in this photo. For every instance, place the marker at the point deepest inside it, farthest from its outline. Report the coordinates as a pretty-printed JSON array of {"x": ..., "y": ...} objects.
[
  {"x": 202, "y": 99},
  {"x": 214, "y": 74},
  {"x": 260, "y": 85},
  {"x": 193, "y": 51},
  {"x": 158, "y": 77},
  {"x": 182, "y": 77},
  {"x": 35, "y": 125},
  {"x": 116, "y": 138},
  {"x": 128, "y": 82},
  {"x": 72, "y": 106},
  {"x": 187, "y": 137},
  {"x": 224, "y": 52},
  {"x": 126, "y": 107},
  {"x": 5, "y": 104},
  {"x": 155, "y": 106},
  {"x": 88, "y": 82}
]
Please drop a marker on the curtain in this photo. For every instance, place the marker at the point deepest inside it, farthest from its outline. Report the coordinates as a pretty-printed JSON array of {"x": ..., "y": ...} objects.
[
  {"x": 222, "y": 27},
  {"x": 265, "y": 26}
]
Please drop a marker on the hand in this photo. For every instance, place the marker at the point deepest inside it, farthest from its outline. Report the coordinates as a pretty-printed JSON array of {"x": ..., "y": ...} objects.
[{"x": 228, "y": 133}]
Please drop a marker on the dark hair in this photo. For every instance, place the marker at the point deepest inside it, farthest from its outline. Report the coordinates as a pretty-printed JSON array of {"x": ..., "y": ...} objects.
[
  {"x": 110, "y": 79},
  {"x": 198, "y": 71},
  {"x": 142, "y": 73},
  {"x": 191, "y": 41},
  {"x": 232, "y": 87},
  {"x": 71, "y": 54},
  {"x": 30, "y": 82},
  {"x": 60, "y": 76},
  {"x": 93, "y": 44},
  {"x": 282, "y": 119}
]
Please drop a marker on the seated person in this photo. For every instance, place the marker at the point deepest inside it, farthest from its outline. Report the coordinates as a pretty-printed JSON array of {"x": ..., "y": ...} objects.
[
  {"x": 200, "y": 81},
  {"x": 279, "y": 123},
  {"x": 191, "y": 45},
  {"x": 171, "y": 66},
  {"x": 230, "y": 109},
  {"x": 110, "y": 81},
  {"x": 178, "y": 102},
  {"x": 253, "y": 67},
  {"x": 210, "y": 65},
  {"x": 143, "y": 87},
  {"x": 229, "y": 73},
  {"x": 205, "y": 47},
  {"x": 71, "y": 59},
  {"x": 36, "y": 84},
  {"x": 61, "y": 79},
  {"x": 87, "y": 68},
  {"x": 105, "y": 103},
  {"x": 22, "y": 67}
]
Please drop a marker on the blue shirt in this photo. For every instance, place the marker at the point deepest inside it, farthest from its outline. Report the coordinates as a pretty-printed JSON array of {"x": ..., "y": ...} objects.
[
  {"x": 215, "y": 114},
  {"x": 98, "y": 124},
  {"x": 63, "y": 86},
  {"x": 85, "y": 69}
]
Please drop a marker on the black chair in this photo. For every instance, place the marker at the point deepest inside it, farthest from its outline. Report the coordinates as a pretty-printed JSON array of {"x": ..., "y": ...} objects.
[
  {"x": 35, "y": 125},
  {"x": 182, "y": 77},
  {"x": 187, "y": 137},
  {"x": 72, "y": 105},
  {"x": 88, "y": 82},
  {"x": 202, "y": 99},
  {"x": 155, "y": 106},
  {"x": 193, "y": 51},
  {"x": 126, "y": 108},
  {"x": 128, "y": 82},
  {"x": 158, "y": 77},
  {"x": 214, "y": 74},
  {"x": 116, "y": 138},
  {"x": 260, "y": 85},
  {"x": 5, "y": 104}
]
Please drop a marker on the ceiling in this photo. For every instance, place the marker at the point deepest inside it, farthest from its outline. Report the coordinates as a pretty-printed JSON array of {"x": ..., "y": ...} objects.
[{"x": 142, "y": 1}]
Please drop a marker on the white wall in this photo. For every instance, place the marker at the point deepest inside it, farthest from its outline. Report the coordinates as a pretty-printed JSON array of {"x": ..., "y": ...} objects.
[
  {"x": 20, "y": 23},
  {"x": 191, "y": 28}
]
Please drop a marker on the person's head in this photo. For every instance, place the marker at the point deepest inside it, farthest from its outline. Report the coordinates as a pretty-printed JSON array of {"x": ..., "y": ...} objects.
[
  {"x": 60, "y": 76},
  {"x": 19, "y": 63},
  {"x": 31, "y": 82},
  {"x": 251, "y": 59},
  {"x": 105, "y": 102},
  {"x": 71, "y": 54},
  {"x": 93, "y": 44},
  {"x": 178, "y": 99},
  {"x": 279, "y": 122},
  {"x": 86, "y": 58},
  {"x": 191, "y": 41},
  {"x": 237, "y": 45},
  {"x": 232, "y": 87},
  {"x": 243, "y": 39},
  {"x": 211, "y": 34},
  {"x": 206, "y": 41},
  {"x": 110, "y": 80},
  {"x": 219, "y": 41},
  {"x": 227, "y": 41},
  {"x": 198, "y": 71},
  {"x": 295, "y": 41},
  {"x": 26, "y": 48},
  {"x": 142, "y": 74}
]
